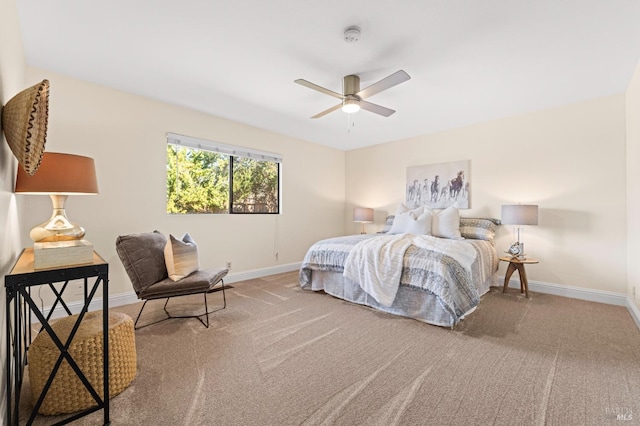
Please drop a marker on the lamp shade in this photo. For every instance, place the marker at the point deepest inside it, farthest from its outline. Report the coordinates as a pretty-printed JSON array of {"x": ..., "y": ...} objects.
[
  {"x": 520, "y": 214},
  {"x": 362, "y": 214},
  {"x": 60, "y": 174}
]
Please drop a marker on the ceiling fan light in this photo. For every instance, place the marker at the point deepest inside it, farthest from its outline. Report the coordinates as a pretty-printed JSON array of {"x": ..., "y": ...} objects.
[{"x": 350, "y": 106}]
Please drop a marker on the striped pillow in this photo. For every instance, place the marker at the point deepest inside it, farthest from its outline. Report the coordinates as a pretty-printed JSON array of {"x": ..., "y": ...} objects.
[
  {"x": 478, "y": 228},
  {"x": 181, "y": 256},
  {"x": 387, "y": 224}
]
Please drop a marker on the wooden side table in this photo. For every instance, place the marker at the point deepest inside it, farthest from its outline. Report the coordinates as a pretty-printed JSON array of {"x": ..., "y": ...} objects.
[{"x": 517, "y": 264}]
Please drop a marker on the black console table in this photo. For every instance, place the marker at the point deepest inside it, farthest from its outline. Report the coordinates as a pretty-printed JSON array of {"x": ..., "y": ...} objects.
[{"x": 20, "y": 308}]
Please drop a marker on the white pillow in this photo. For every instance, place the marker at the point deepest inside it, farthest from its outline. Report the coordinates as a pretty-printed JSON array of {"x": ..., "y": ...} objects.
[
  {"x": 446, "y": 224},
  {"x": 416, "y": 221},
  {"x": 403, "y": 215},
  {"x": 416, "y": 212},
  {"x": 181, "y": 257},
  {"x": 401, "y": 223},
  {"x": 421, "y": 225}
]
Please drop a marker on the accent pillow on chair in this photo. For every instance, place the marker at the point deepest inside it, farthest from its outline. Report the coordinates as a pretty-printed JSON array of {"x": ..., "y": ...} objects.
[{"x": 181, "y": 256}]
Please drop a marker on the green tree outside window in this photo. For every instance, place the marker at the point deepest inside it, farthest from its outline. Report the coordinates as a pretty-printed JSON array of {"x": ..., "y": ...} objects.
[{"x": 199, "y": 181}]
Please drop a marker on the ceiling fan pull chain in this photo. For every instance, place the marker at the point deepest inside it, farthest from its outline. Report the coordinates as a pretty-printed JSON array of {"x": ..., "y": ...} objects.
[{"x": 350, "y": 122}]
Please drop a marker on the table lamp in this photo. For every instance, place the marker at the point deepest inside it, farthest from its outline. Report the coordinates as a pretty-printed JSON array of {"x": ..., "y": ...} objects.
[
  {"x": 363, "y": 215},
  {"x": 59, "y": 176},
  {"x": 519, "y": 215}
]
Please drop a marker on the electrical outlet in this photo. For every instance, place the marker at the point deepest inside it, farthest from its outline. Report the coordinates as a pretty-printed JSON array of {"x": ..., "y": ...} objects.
[
  {"x": 228, "y": 264},
  {"x": 78, "y": 290}
]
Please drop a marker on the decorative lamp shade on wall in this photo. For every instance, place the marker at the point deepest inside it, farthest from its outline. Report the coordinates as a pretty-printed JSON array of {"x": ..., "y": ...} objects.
[
  {"x": 363, "y": 215},
  {"x": 59, "y": 176}
]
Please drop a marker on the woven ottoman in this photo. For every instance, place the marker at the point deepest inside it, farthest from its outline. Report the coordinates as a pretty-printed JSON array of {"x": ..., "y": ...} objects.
[{"x": 67, "y": 394}]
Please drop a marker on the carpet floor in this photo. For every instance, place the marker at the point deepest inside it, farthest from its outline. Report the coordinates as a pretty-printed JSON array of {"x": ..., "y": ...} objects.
[{"x": 280, "y": 355}]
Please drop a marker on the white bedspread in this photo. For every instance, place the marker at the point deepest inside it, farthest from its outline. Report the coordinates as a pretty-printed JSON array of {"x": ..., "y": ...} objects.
[{"x": 376, "y": 264}]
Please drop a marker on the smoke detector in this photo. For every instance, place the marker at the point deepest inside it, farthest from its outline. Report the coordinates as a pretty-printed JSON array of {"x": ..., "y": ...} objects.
[{"x": 352, "y": 34}]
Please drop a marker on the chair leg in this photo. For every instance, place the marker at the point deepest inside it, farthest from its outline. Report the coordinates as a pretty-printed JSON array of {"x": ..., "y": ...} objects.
[
  {"x": 206, "y": 308},
  {"x": 165, "y": 307},
  {"x": 135, "y": 325}
]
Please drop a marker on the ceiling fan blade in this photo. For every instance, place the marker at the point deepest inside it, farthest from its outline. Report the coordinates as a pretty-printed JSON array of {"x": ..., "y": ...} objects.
[
  {"x": 327, "y": 111},
  {"x": 384, "y": 84},
  {"x": 318, "y": 88},
  {"x": 376, "y": 108}
]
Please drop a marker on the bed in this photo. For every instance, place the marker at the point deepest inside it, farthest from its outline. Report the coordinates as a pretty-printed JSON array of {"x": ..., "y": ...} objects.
[{"x": 441, "y": 280}]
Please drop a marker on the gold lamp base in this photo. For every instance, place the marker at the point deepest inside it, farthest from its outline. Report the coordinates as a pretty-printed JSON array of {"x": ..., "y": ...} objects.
[{"x": 58, "y": 227}]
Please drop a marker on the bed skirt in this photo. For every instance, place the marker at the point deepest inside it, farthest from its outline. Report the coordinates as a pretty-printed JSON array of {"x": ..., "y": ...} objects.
[{"x": 410, "y": 301}]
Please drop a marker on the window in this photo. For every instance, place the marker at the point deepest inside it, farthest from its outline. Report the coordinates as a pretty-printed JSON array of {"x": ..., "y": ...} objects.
[{"x": 207, "y": 177}]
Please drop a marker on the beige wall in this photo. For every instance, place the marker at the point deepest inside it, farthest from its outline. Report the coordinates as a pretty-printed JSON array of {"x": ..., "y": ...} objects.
[
  {"x": 125, "y": 134},
  {"x": 569, "y": 160},
  {"x": 12, "y": 66},
  {"x": 633, "y": 186}
]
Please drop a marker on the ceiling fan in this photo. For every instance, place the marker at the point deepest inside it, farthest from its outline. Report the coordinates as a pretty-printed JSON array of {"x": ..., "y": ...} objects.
[{"x": 353, "y": 98}]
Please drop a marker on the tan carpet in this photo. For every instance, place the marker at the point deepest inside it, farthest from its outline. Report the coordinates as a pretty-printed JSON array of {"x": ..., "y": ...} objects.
[{"x": 279, "y": 355}]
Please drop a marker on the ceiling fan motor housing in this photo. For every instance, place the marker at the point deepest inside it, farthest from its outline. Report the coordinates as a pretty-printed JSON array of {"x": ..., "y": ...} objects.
[{"x": 350, "y": 85}]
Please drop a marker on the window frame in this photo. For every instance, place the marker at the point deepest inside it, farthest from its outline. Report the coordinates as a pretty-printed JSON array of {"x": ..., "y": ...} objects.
[
  {"x": 231, "y": 157},
  {"x": 231, "y": 151}
]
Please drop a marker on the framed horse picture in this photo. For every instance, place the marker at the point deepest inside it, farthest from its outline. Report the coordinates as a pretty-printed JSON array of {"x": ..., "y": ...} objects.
[{"x": 439, "y": 186}]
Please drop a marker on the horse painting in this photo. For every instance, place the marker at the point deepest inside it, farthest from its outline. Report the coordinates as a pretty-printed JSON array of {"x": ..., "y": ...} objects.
[
  {"x": 435, "y": 189},
  {"x": 456, "y": 185},
  {"x": 439, "y": 185}
]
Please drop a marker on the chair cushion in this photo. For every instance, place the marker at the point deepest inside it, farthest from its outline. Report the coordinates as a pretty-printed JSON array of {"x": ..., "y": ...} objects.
[
  {"x": 198, "y": 282},
  {"x": 181, "y": 256},
  {"x": 143, "y": 258}
]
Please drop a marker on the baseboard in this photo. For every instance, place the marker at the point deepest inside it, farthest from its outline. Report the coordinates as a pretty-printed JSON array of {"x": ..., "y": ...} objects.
[
  {"x": 262, "y": 272},
  {"x": 75, "y": 307},
  {"x": 633, "y": 310},
  {"x": 131, "y": 297},
  {"x": 600, "y": 296}
]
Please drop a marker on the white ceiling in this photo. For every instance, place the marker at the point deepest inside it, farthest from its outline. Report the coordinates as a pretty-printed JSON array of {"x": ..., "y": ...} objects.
[{"x": 470, "y": 60}]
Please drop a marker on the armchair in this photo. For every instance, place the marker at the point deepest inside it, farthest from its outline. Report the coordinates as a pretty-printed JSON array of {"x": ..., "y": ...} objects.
[{"x": 143, "y": 258}]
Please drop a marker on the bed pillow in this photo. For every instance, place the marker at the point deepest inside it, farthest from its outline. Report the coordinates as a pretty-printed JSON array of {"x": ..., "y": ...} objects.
[
  {"x": 181, "y": 256},
  {"x": 387, "y": 224},
  {"x": 401, "y": 223},
  {"x": 404, "y": 217},
  {"x": 446, "y": 224},
  {"x": 478, "y": 228},
  {"x": 402, "y": 208},
  {"x": 421, "y": 225}
]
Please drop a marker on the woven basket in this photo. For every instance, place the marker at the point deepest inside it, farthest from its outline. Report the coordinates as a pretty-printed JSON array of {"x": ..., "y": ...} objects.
[
  {"x": 24, "y": 122},
  {"x": 67, "y": 394}
]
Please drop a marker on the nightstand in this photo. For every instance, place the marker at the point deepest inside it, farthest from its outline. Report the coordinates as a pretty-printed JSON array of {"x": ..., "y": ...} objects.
[{"x": 517, "y": 264}]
